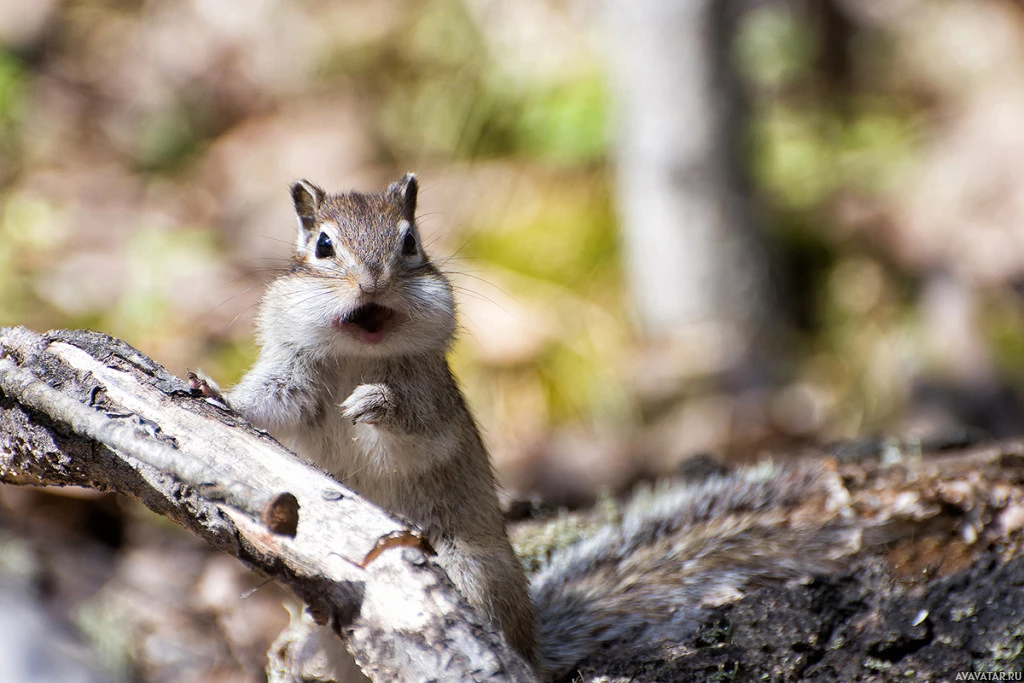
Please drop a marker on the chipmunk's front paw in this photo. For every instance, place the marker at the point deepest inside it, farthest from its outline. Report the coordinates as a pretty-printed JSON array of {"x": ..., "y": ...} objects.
[
  {"x": 368, "y": 403},
  {"x": 200, "y": 384}
]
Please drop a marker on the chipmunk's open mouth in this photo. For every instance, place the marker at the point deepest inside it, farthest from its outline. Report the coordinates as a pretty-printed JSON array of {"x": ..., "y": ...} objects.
[{"x": 370, "y": 323}]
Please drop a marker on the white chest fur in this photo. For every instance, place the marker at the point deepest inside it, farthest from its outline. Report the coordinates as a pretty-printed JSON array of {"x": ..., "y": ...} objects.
[{"x": 378, "y": 463}]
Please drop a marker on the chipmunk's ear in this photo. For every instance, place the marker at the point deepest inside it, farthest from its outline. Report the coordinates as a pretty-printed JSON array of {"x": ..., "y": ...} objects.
[
  {"x": 308, "y": 198},
  {"x": 406, "y": 190}
]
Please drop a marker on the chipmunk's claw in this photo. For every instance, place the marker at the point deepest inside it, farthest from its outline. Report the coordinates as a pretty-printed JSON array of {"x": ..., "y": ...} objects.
[
  {"x": 201, "y": 385},
  {"x": 368, "y": 403}
]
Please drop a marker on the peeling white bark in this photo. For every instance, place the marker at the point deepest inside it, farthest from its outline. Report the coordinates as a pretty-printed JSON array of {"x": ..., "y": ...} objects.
[{"x": 81, "y": 408}]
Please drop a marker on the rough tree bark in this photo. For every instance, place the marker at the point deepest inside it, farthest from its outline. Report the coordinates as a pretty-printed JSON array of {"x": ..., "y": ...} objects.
[
  {"x": 936, "y": 593},
  {"x": 82, "y": 408}
]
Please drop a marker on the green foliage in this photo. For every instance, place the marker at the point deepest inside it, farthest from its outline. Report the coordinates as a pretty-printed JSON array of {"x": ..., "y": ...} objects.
[
  {"x": 158, "y": 260},
  {"x": 774, "y": 48},
  {"x": 13, "y": 91},
  {"x": 817, "y": 145},
  {"x": 562, "y": 238},
  {"x": 228, "y": 361},
  {"x": 804, "y": 156},
  {"x": 26, "y": 243},
  {"x": 566, "y": 123},
  {"x": 441, "y": 92},
  {"x": 812, "y": 140},
  {"x": 570, "y": 226},
  {"x": 168, "y": 139},
  {"x": 1003, "y": 321}
]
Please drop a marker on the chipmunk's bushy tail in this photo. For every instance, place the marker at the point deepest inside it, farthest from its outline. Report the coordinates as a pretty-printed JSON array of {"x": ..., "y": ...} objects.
[{"x": 681, "y": 549}]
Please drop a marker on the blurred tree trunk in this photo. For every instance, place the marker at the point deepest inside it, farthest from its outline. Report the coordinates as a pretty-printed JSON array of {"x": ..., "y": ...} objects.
[{"x": 698, "y": 275}]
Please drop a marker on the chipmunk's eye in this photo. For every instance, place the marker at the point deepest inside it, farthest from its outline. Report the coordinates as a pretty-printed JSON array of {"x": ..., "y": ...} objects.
[
  {"x": 409, "y": 245},
  {"x": 324, "y": 246}
]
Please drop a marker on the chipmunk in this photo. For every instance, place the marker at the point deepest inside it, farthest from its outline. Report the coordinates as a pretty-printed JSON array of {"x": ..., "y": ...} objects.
[{"x": 352, "y": 375}]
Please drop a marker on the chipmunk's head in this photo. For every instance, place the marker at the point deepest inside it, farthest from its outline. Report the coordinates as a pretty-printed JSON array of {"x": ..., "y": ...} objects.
[{"x": 362, "y": 283}]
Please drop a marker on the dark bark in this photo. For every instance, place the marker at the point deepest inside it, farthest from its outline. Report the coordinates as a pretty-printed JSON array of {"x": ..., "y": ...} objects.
[{"x": 942, "y": 596}]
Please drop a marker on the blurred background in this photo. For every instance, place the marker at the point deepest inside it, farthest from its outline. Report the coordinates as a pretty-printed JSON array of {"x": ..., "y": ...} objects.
[{"x": 731, "y": 227}]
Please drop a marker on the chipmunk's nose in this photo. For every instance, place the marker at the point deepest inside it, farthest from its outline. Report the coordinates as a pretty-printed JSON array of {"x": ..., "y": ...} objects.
[{"x": 373, "y": 280}]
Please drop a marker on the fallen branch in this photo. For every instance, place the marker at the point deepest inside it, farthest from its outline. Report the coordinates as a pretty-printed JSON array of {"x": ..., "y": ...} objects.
[{"x": 81, "y": 408}]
